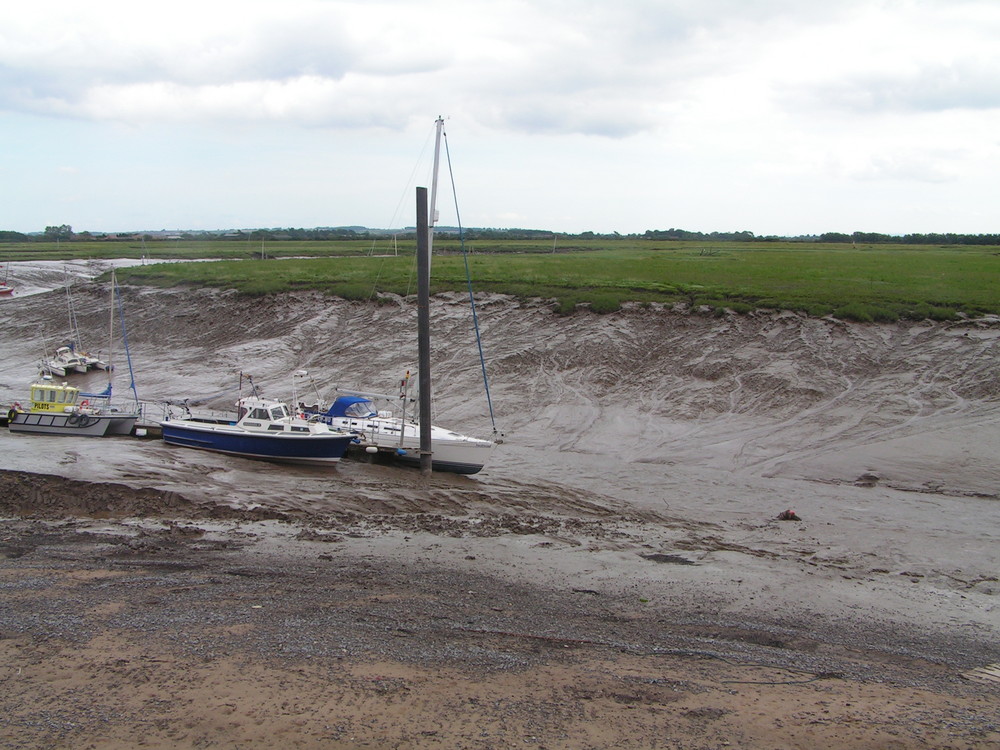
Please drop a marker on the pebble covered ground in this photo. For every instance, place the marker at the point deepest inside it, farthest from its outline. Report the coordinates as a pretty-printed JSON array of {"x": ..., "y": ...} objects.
[{"x": 174, "y": 628}]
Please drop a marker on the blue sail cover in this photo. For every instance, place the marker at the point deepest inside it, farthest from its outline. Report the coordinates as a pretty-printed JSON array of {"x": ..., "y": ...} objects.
[
  {"x": 351, "y": 406},
  {"x": 106, "y": 393}
]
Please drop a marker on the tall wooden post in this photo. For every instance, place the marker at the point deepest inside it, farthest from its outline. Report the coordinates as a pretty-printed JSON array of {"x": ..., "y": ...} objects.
[{"x": 424, "y": 330}]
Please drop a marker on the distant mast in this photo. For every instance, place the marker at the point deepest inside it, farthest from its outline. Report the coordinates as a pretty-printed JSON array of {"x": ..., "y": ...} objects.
[{"x": 432, "y": 215}]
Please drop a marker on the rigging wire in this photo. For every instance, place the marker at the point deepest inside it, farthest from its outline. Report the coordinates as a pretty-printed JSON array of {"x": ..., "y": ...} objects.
[
  {"x": 75, "y": 341},
  {"x": 128, "y": 355},
  {"x": 395, "y": 220},
  {"x": 468, "y": 278}
]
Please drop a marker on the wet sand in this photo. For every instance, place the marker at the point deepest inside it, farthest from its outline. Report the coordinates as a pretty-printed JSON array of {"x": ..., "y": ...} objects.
[{"x": 615, "y": 577}]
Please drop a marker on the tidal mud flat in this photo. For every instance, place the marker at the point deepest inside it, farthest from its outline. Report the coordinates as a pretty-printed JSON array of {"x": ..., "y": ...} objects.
[{"x": 615, "y": 577}]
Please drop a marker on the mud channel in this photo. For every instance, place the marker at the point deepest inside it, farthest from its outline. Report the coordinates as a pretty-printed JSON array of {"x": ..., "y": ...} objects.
[{"x": 616, "y": 576}]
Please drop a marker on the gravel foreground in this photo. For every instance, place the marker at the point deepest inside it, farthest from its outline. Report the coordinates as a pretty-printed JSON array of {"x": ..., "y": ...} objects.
[{"x": 136, "y": 618}]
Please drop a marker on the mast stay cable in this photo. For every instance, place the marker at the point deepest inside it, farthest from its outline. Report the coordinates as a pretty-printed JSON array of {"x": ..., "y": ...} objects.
[{"x": 468, "y": 278}]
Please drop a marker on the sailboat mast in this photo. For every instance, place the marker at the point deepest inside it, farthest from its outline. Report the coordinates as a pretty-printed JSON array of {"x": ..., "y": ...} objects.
[
  {"x": 111, "y": 329},
  {"x": 433, "y": 215},
  {"x": 74, "y": 329}
]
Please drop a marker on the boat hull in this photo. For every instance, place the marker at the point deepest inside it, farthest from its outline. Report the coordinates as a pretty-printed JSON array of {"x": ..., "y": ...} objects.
[
  {"x": 450, "y": 452},
  {"x": 232, "y": 440},
  {"x": 445, "y": 459},
  {"x": 121, "y": 424},
  {"x": 78, "y": 425}
]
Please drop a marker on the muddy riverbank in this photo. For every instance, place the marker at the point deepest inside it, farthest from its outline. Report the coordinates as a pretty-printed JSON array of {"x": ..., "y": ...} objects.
[{"x": 615, "y": 576}]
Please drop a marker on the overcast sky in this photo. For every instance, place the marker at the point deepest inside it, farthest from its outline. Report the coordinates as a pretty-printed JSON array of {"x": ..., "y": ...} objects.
[{"x": 774, "y": 116}]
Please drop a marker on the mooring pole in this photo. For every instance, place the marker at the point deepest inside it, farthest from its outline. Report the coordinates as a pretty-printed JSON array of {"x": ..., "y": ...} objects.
[{"x": 424, "y": 330}]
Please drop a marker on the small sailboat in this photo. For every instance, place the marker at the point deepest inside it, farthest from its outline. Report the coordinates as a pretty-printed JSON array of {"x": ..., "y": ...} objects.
[
  {"x": 64, "y": 362},
  {"x": 6, "y": 290},
  {"x": 62, "y": 409},
  {"x": 125, "y": 417},
  {"x": 398, "y": 437},
  {"x": 71, "y": 357}
]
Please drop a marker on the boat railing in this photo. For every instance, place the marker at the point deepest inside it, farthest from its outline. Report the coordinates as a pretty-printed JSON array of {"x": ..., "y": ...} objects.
[{"x": 180, "y": 409}]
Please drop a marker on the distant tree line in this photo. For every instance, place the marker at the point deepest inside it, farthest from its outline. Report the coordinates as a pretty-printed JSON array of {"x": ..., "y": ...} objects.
[
  {"x": 934, "y": 238},
  {"x": 683, "y": 234},
  {"x": 64, "y": 232},
  {"x": 867, "y": 238}
]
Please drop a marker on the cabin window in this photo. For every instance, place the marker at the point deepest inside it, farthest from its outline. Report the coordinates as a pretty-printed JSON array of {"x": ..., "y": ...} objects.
[
  {"x": 299, "y": 428},
  {"x": 278, "y": 412},
  {"x": 52, "y": 396},
  {"x": 259, "y": 413},
  {"x": 276, "y": 427},
  {"x": 360, "y": 410}
]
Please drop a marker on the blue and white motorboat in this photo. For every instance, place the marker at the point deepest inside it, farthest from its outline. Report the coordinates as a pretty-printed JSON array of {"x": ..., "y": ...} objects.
[{"x": 264, "y": 429}]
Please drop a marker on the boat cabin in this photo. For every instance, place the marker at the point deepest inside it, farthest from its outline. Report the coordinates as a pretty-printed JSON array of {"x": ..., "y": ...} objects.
[
  {"x": 269, "y": 416},
  {"x": 272, "y": 412},
  {"x": 50, "y": 397},
  {"x": 352, "y": 407}
]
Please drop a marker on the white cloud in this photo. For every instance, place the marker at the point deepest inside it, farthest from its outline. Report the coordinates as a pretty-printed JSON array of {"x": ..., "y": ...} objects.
[{"x": 767, "y": 95}]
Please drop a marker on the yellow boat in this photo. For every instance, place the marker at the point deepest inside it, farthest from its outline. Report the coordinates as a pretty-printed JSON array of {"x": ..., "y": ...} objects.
[{"x": 56, "y": 409}]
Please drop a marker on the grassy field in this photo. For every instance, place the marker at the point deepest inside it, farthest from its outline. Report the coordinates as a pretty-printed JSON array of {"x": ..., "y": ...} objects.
[{"x": 873, "y": 283}]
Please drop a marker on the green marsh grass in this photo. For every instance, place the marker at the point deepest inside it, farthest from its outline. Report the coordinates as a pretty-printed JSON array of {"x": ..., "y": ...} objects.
[{"x": 875, "y": 283}]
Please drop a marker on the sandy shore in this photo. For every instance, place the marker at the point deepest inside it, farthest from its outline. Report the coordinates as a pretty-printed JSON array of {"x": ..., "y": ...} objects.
[
  {"x": 139, "y": 619},
  {"x": 616, "y": 577}
]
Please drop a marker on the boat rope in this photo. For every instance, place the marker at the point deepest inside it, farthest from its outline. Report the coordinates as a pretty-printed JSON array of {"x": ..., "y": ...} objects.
[
  {"x": 468, "y": 278},
  {"x": 128, "y": 355}
]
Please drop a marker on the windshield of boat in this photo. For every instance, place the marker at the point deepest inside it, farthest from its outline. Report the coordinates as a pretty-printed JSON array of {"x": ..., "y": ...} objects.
[
  {"x": 360, "y": 410},
  {"x": 278, "y": 412},
  {"x": 53, "y": 394}
]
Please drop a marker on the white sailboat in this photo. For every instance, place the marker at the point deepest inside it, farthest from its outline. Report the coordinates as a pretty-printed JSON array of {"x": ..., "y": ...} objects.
[
  {"x": 71, "y": 357},
  {"x": 411, "y": 438},
  {"x": 398, "y": 437},
  {"x": 122, "y": 417},
  {"x": 63, "y": 409},
  {"x": 6, "y": 290}
]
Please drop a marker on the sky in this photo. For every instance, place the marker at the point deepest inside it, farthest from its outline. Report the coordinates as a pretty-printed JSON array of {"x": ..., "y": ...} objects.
[{"x": 779, "y": 117}]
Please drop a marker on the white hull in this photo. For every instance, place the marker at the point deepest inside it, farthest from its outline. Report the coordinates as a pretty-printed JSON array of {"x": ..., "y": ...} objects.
[
  {"x": 450, "y": 451},
  {"x": 79, "y": 425},
  {"x": 121, "y": 424}
]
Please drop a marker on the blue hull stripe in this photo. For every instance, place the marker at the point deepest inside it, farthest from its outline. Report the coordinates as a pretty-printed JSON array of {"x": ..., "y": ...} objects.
[{"x": 306, "y": 448}]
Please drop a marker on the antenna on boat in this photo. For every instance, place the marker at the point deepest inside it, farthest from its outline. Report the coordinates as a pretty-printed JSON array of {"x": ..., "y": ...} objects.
[
  {"x": 295, "y": 393},
  {"x": 249, "y": 378}
]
